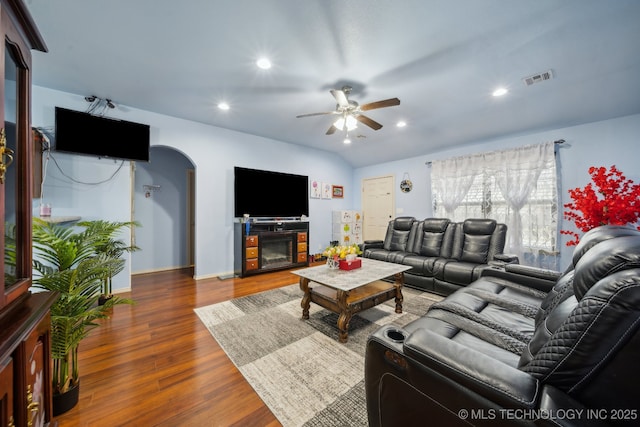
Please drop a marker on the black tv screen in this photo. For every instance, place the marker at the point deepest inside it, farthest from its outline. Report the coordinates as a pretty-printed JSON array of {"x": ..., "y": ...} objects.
[
  {"x": 83, "y": 133},
  {"x": 267, "y": 194}
]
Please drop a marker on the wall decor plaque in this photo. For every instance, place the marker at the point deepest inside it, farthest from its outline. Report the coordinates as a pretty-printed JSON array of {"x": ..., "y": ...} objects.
[{"x": 406, "y": 185}]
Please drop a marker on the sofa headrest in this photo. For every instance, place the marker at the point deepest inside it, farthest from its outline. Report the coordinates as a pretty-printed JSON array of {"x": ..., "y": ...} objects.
[
  {"x": 604, "y": 259},
  {"x": 403, "y": 223},
  {"x": 479, "y": 226},
  {"x": 600, "y": 234},
  {"x": 435, "y": 225}
]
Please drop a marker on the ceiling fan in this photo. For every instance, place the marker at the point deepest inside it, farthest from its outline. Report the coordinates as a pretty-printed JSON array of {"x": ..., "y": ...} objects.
[{"x": 350, "y": 111}]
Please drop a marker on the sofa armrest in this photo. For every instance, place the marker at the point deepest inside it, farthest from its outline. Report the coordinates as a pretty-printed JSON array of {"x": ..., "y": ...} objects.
[
  {"x": 494, "y": 380},
  {"x": 507, "y": 258},
  {"x": 540, "y": 273},
  {"x": 533, "y": 277},
  {"x": 371, "y": 244}
]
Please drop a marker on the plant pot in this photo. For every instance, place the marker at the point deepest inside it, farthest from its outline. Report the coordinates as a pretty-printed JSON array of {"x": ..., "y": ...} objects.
[
  {"x": 103, "y": 299},
  {"x": 65, "y": 401}
]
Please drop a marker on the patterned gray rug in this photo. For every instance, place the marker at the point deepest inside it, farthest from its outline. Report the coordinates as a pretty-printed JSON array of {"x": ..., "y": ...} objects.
[{"x": 298, "y": 368}]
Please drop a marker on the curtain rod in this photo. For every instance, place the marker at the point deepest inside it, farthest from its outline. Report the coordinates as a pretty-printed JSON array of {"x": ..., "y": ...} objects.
[{"x": 558, "y": 141}]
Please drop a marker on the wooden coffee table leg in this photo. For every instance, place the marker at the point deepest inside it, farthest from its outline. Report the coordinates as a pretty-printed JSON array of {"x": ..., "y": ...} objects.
[
  {"x": 344, "y": 317},
  {"x": 399, "y": 298},
  {"x": 306, "y": 298}
]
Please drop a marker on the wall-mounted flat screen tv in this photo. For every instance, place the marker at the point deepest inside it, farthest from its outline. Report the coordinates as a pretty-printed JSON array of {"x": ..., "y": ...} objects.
[
  {"x": 267, "y": 194},
  {"x": 83, "y": 133}
]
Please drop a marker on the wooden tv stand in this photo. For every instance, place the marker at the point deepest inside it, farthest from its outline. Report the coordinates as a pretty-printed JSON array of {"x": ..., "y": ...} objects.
[{"x": 270, "y": 246}]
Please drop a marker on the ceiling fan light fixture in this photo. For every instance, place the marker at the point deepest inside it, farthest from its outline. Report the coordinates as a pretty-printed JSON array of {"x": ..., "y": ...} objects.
[
  {"x": 263, "y": 63},
  {"x": 351, "y": 123},
  {"x": 347, "y": 123}
]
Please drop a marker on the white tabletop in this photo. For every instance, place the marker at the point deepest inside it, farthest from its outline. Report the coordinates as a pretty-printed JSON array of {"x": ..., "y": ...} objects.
[{"x": 347, "y": 280}]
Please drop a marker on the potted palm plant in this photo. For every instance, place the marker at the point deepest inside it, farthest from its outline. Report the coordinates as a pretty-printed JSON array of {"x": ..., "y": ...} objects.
[{"x": 74, "y": 262}]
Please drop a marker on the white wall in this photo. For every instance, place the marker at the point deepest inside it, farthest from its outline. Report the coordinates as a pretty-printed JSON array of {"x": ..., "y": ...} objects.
[
  {"x": 214, "y": 152},
  {"x": 605, "y": 143}
]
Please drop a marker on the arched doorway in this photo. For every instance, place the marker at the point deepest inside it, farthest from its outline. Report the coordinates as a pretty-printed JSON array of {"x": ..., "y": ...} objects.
[{"x": 163, "y": 203}]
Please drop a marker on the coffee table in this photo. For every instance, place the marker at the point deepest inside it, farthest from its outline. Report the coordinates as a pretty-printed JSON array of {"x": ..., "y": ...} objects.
[{"x": 347, "y": 292}]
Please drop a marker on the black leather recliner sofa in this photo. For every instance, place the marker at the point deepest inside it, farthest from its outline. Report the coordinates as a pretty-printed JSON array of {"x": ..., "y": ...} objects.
[
  {"x": 444, "y": 255},
  {"x": 520, "y": 346}
]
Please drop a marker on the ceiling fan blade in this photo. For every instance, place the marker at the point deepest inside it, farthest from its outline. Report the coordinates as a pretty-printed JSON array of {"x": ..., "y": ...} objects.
[
  {"x": 340, "y": 96},
  {"x": 380, "y": 104},
  {"x": 331, "y": 130},
  {"x": 367, "y": 121},
  {"x": 316, "y": 114}
]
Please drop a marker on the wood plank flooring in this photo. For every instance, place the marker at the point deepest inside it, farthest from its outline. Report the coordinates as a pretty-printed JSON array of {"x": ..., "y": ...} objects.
[{"x": 155, "y": 364}]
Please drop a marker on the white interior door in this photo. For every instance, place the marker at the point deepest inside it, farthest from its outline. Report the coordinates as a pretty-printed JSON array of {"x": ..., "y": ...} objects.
[{"x": 378, "y": 202}]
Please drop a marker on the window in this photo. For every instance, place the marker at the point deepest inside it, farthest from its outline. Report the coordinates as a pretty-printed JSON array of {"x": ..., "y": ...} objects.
[{"x": 517, "y": 187}]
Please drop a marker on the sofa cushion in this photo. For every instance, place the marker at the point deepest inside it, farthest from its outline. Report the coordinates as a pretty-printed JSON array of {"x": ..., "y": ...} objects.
[
  {"x": 476, "y": 239},
  {"x": 604, "y": 259},
  {"x": 475, "y": 248},
  {"x": 422, "y": 265},
  {"x": 444, "y": 324},
  {"x": 430, "y": 237},
  {"x": 398, "y": 233},
  {"x": 492, "y": 315}
]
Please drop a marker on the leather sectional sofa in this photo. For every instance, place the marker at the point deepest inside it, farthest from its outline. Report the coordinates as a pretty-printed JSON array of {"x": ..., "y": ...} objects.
[
  {"x": 520, "y": 346},
  {"x": 444, "y": 255}
]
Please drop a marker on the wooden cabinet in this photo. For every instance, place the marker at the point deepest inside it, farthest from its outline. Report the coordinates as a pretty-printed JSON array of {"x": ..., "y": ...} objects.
[
  {"x": 251, "y": 252},
  {"x": 302, "y": 246},
  {"x": 6, "y": 392},
  {"x": 25, "y": 349},
  {"x": 269, "y": 245}
]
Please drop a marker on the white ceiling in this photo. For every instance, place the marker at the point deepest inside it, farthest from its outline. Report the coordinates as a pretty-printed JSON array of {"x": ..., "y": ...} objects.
[{"x": 442, "y": 58}]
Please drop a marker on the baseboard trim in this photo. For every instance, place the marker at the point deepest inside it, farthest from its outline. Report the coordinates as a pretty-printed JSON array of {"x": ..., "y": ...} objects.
[
  {"x": 160, "y": 270},
  {"x": 221, "y": 276}
]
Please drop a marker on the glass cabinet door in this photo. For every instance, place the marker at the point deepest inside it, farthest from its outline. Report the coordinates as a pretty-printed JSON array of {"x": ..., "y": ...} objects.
[{"x": 15, "y": 183}]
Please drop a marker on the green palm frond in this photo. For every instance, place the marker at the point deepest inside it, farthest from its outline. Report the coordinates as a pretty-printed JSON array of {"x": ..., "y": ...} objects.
[{"x": 75, "y": 262}]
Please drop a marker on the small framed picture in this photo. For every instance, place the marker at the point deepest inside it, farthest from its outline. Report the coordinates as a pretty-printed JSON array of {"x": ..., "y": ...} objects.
[
  {"x": 337, "y": 191},
  {"x": 326, "y": 190},
  {"x": 316, "y": 191}
]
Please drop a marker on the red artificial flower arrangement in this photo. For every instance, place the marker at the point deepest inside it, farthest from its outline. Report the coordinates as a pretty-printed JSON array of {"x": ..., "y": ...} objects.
[{"x": 616, "y": 201}]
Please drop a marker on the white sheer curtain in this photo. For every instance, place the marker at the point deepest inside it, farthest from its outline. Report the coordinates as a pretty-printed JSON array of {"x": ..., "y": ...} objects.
[
  {"x": 517, "y": 187},
  {"x": 451, "y": 180},
  {"x": 516, "y": 174}
]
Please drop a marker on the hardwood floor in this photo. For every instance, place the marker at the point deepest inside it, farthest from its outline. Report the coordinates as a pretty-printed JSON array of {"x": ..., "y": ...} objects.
[{"x": 155, "y": 364}]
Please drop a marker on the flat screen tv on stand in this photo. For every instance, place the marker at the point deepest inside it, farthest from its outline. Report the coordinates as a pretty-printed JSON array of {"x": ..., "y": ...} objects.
[{"x": 270, "y": 195}]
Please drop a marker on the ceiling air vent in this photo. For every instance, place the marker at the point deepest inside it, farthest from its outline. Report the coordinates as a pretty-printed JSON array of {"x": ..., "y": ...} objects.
[{"x": 538, "y": 78}]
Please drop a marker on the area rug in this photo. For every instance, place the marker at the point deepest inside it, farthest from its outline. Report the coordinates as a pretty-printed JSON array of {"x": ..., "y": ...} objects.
[{"x": 298, "y": 367}]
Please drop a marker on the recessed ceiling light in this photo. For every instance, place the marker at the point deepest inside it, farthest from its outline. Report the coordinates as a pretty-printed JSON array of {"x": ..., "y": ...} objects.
[
  {"x": 223, "y": 106},
  {"x": 500, "y": 91},
  {"x": 401, "y": 124},
  {"x": 263, "y": 63},
  {"x": 347, "y": 140}
]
